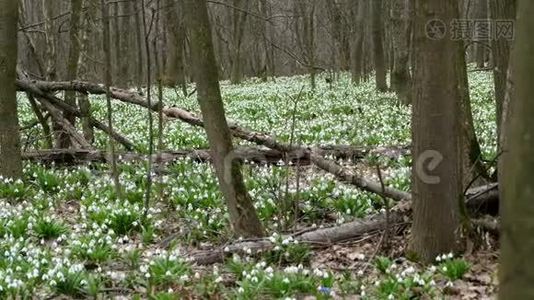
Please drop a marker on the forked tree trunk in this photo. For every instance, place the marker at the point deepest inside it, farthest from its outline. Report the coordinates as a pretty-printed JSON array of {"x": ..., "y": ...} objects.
[
  {"x": 243, "y": 216},
  {"x": 517, "y": 205},
  {"x": 10, "y": 157},
  {"x": 437, "y": 184}
]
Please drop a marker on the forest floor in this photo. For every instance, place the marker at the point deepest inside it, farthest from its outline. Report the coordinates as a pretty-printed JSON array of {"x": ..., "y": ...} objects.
[{"x": 66, "y": 235}]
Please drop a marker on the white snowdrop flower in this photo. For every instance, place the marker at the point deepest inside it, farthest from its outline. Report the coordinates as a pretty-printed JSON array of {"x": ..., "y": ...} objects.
[
  {"x": 285, "y": 280},
  {"x": 391, "y": 297},
  {"x": 219, "y": 279},
  {"x": 240, "y": 290},
  {"x": 449, "y": 284},
  {"x": 184, "y": 278},
  {"x": 269, "y": 270},
  {"x": 450, "y": 255},
  {"x": 444, "y": 269},
  {"x": 226, "y": 249},
  {"x": 360, "y": 272}
]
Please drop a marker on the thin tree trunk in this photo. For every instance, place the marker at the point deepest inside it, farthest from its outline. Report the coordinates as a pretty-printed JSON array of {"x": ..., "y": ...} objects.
[
  {"x": 10, "y": 156},
  {"x": 517, "y": 242},
  {"x": 139, "y": 43},
  {"x": 437, "y": 185},
  {"x": 243, "y": 216}
]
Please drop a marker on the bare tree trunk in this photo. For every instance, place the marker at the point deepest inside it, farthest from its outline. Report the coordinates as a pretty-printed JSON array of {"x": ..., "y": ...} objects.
[
  {"x": 481, "y": 12},
  {"x": 126, "y": 50},
  {"x": 517, "y": 242},
  {"x": 83, "y": 67},
  {"x": 72, "y": 65},
  {"x": 305, "y": 33},
  {"x": 10, "y": 156},
  {"x": 358, "y": 9},
  {"x": 401, "y": 31},
  {"x": 50, "y": 39},
  {"x": 139, "y": 43},
  {"x": 437, "y": 185},
  {"x": 108, "y": 81},
  {"x": 174, "y": 71},
  {"x": 378, "y": 46},
  {"x": 501, "y": 48},
  {"x": 243, "y": 216},
  {"x": 239, "y": 20}
]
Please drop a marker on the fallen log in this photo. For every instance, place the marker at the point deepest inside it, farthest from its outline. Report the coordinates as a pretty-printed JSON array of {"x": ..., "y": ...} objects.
[
  {"x": 483, "y": 200},
  {"x": 321, "y": 236},
  {"x": 245, "y": 154}
]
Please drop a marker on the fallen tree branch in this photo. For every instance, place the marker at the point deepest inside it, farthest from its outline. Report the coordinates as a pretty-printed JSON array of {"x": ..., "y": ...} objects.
[
  {"x": 245, "y": 153},
  {"x": 88, "y": 88},
  {"x": 30, "y": 87},
  {"x": 322, "y": 236},
  {"x": 65, "y": 124}
]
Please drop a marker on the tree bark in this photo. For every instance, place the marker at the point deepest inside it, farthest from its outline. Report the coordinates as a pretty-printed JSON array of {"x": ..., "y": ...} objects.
[
  {"x": 501, "y": 48},
  {"x": 72, "y": 64},
  {"x": 243, "y": 216},
  {"x": 401, "y": 31},
  {"x": 358, "y": 31},
  {"x": 378, "y": 46},
  {"x": 83, "y": 67},
  {"x": 10, "y": 159},
  {"x": 174, "y": 69},
  {"x": 437, "y": 179},
  {"x": 517, "y": 243},
  {"x": 239, "y": 20}
]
